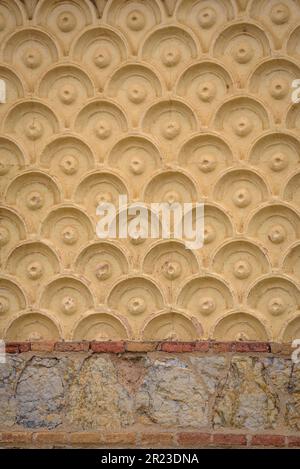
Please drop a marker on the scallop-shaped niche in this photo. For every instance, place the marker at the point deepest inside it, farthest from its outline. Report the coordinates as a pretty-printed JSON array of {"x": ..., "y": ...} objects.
[
  {"x": 100, "y": 50},
  {"x": 205, "y": 85},
  {"x": 135, "y": 86},
  {"x": 97, "y": 188},
  {"x": 134, "y": 19},
  {"x": 32, "y": 327},
  {"x": 291, "y": 191},
  {"x": 33, "y": 264},
  {"x": 64, "y": 19},
  {"x": 102, "y": 263},
  {"x": 68, "y": 229},
  {"x": 12, "y": 231},
  {"x": 170, "y": 263},
  {"x": 276, "y": 227},
  {"x": 277, "y": 155},
  {"x": 14, "y": 88},
  {"x": 291, "y": 263},
  {"x": 31, "y": 52},
  {"x": 137, "y": 158},
  {"x": 66, "y": 88},
  {"x": 67, "y": 158},
  {"x": 291, "y": 331},
  {"x": 67, "y": 298},
  {"x": 170, "y": 49},
  {"x": 99, "y": 122},
  {"x": 276, "y": 298},
  {"x": 135, "y": 299},
  {"x": 170, "y": 122},
  {"x": 241, "y": 263},
  {"x": 240, "y": 46},
  {"x": 11, "y": 161},
  {"x": 33, "y": 193},
  {"x": 12, "y": 299},
  {"x": 31, "y": 123},
  {"x": 239, "y": 326},
  {"x": 205, "y": 156},
  {"x": 172, "y": 326},
  {"x": 171, "y": 187},
  {"x": 11, "y": 17},
  {"x": 101, "y": 327}
]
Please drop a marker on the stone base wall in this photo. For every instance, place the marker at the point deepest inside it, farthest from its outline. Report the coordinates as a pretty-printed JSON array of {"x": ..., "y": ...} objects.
[{"x": 118, "y": 394}]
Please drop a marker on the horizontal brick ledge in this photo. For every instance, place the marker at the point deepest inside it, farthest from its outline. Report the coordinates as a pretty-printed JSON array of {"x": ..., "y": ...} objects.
[
  {"x": 277, "y": 441},
  {"x": 202, "y": 346}
]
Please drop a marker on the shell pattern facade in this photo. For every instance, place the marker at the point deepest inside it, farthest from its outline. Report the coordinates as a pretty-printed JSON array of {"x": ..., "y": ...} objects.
[{"x": 174, "y": 100}]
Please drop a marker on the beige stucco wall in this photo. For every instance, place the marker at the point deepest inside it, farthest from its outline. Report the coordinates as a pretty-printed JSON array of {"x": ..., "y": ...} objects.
[{"x": 163, "y": 101}]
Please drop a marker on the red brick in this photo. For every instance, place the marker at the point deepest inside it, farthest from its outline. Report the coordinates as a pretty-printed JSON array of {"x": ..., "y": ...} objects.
[
  {"x": 268, "y": 440},
  {"x": 86, "y": 438},
  {"x": 293, "y": 441},
  {"x": 221, "y": 347},
  {"x": 191, "y": 439},
  {"x": 44, "y": 346},
  {"x": 11, "y": 347},
  {"x": 151, "y": 440},
  {"x": 223, "y": 439},
  {"x": 24, "y": 347},
  {"x": 72, "y": 346},
  {"x": 15, "y": 437},
  {"x": 124, "y": 439},
  {"x": 179, "y": 347},
  {"x": 49, "y": 438},
  {"x": 141, "y": 346},
  {"x": 108, "y": 347},
  {"x": 251, "y": 347}
]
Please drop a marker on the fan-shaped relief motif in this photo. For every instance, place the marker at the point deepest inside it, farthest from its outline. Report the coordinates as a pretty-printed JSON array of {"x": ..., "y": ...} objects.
[
  {"x": 12, "y": 231},
  {"x": 136, "y": 299},
  {"x": 66, "y": 88},
  {"x": 33, "y": 194},
  {"x": 137, "y": 158},
  {"x": 171, "y": 187},
  {"x": 240, "y": 46},
  {"x": 169, "y": 262},
  {"x": 32, "y": 263},
  {"x": 217, "y": 228},
  {"x": 100, "y": 123},
  {"x": 32, "y": 326},
  {"x": 276, "y": 154},
  {"x": 241, "y": 119},
  {"x": 278, "y": 17},
  {"x": 12, "y": 299},
  {"x": 64, "y": 19},
  {"x": 172, "y": 326},
  {"x": 291, "y": 330},
  {"x": 31, "y": 123},
  {"x": 205, "y": 156},
  {"x": 67, "y": 298},
  {"x": 205, "y": 85},
  {"x": 12, "y": 160},
  {"x": 68, "y": 229},
  {"x": 240, "y": 262},
  {"x": 291, "y": 262},
  {"x": 240, "y": 190},
  {"x": 31, "y": 52},
  {"x": 102, "y": 327},
  {"x": 170, "y": 49},
  {"x": 67, "y": 158},
  {"x": 170, "y": 122},
  {"x": 135, "y": 86},
  {"x": 293, "y": 118},
  {"x": 99, "y": 187},
  {"x": 240, "y": 326},
  {"x": 291, "y": 191},
  {"x": 276, "y": 226},
  {"x": 276, "y": 298},
  {"x": 205, "y": 17},
  {"x": 100, "y": 50},
  {"x": 272, "y": 82},
  {"x": 134, "y": 18},
  {"x": 11, "y": 17},
  {"x": 102, "y": 263},
  {"x": 205, "y": 297},
  {"x": 293, "y": 43}
]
